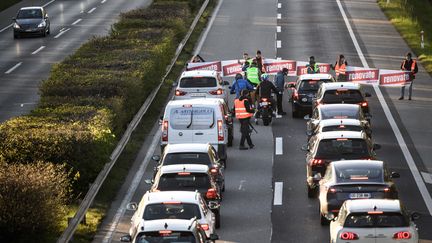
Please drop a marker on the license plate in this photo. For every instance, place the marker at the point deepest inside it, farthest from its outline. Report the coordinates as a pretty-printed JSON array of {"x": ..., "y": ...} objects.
[
  {"x": 263, "y": 103},
  {"x": 359, "y": 195},
  {"x": 198, "y": 95}
]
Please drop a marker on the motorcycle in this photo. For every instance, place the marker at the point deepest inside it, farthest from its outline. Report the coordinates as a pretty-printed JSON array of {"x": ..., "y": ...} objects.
[{"x": 264, "y": 112}]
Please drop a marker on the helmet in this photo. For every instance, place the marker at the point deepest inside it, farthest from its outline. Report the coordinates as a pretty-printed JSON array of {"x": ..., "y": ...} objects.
[
  {"x": 265, "y": 77},
  {"x": 238, "y": 76}
]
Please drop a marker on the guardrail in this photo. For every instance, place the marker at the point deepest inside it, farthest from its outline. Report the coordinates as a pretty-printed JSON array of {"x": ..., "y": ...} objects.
[{"x": 94, "y": 189}]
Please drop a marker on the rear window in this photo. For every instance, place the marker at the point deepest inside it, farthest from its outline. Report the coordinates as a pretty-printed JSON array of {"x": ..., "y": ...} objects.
[
  {"x": 187, "y": 158},
  {"x": 342, "y": 128},
  {"x": 365, "y": 220},
  {"x": 342, "y": 148},
  {"x": 171, "y": 211},
  {"x": 346, "y": 95},
  {"x": 184, "y": 182},
  {"x": 198, "y": 82},
  {"x": 340, "y": 113},
  {"x": 311, "y": 85},
  {"x": 165, "y": 236},
  {"x": 30, "y": 14},
  {"x": 348, "y": 173},
  {"x": 192, "y": 118}
]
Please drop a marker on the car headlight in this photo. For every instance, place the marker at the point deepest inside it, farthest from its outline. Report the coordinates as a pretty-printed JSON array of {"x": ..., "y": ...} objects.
[
  {"x": 42, "y": 24},
  {"x": 16, "y": 26}
]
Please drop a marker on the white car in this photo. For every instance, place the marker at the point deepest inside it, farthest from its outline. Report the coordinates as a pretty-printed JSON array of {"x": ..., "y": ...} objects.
[
  {"x": 373, "y": 220},
  {"x": 172, "y": 205},
  {"x": 201, "y": 84}
]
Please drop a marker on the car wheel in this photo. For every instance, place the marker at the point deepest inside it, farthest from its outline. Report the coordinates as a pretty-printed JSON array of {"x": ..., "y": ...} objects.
[
  {"x": 266, "y": 121},
  {"x": 217, "y": 219},
  {"x": 49, "y": 30},
  {"x": 311, "y": 192}
]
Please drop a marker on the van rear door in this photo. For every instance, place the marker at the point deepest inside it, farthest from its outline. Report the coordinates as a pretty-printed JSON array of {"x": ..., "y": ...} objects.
[
  {"x": 204, "y": 125},
  {"x": 181, "y": 125}
]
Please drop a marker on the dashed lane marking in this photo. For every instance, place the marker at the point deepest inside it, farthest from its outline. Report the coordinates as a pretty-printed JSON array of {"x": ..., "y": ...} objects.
[
  {"x": 278, "y": 29},
  {"x": 279, "y": 5},
  {"x": 103, "y": 1},
  {"x": 278, "y": 190},
  {"x": 61, "y": 33},
  {"x": 13, "y": 68},
  {"x": 76, "y": 21},
  {"x": 38, "y": 50},
  {"x": 427, "y": 177},
  {"x": 278, "y": 44},
  {"x": 91, "y": 10},
  {"x": 279, "y": 16},
  {"x": 279, "y": 146}
]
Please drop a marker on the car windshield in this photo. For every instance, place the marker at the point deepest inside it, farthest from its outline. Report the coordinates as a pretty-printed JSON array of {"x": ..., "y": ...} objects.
[
  {"x": 171, "y": 211},
  {"x": 340, "y": 113},
  {"x": 342, "y": 148},
  {"x": 184, "y": 182},
  {"x": 355, "y": 173},
  {"x": 165, "y": 236},
  {"x": 198, "y": 82},
  {"x": 311, "y": 85},
  {"x": 192, "y": 118},
  {"x": 342, "y": 95},
  {"x": 342, "y": 128},
  {"x": 29, "y": 14},
  {"x": 382, "y": 220},
  {"x": 187, "y": 158}
]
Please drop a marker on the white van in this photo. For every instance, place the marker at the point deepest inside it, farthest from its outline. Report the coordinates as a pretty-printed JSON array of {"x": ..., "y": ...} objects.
[{"x": 196, "y": 121}]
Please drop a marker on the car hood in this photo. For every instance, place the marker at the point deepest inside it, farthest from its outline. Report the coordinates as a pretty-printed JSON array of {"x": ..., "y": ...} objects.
[{"x": 28, "y": 21}]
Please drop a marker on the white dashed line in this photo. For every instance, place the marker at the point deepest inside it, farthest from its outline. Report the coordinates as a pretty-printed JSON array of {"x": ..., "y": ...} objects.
[
  {"x": 241, "y": 185},
  {"x": 278, "y": 29},
  {"x": 38, "y": 50},
  {"x": 279, "y": 5},
  {"x": 103, "y": 1},
  {"x": 76, "y": 21},
  {"x": 279, "y": 146},
  {"x": 408, "y": 157},
  {"x": 427, "y": 177},
  {"x": 278, "y": 44},
  {"x": 279, "y": 16},
  {"x": 13, "y": 68},
  {"x": 278, "y": 190},
  {"x": 278, "y": 58},
  {"x": 48, "y": 3},
  {"x": 5, "y": 28},
  {"x": 61, "y": 33},
  {"x": 91, "y": 10}
]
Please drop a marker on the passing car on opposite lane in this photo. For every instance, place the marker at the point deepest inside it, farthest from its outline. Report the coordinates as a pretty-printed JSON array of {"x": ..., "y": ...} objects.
[
  {"x": 354, "y": 179},
  {"x": 31, "y": 21}
]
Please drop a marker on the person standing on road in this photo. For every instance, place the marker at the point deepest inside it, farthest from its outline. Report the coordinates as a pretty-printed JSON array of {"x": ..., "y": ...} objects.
[
  {"x": 253, "y": 73},
  {"x": 243, "y": 112},
  {"x": 260, "y": 61},
  {"x": 239, "y": 85},
  {"x": 312, "y": 67},
  {"x": 246, "y": 63},
  {"x": 410, "y": 65},
  {"x": 280, "y": 85},
  {"x": 340, "y": 69}
]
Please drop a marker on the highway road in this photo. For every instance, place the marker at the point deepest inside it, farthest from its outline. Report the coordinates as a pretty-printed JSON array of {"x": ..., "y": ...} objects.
[
  {"x": 25, "y": 62},
  {"x": 325, "y": 29}
]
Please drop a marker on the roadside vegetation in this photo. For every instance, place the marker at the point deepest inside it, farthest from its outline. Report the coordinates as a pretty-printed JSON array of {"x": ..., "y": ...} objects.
[
  {"x": 4, "y": 4},
  {"x": 85, "y": 106},
  {"x": 410, "y": 18}
]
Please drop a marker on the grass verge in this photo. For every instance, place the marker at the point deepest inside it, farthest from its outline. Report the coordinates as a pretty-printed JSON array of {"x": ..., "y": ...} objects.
[{"x": 410, "y": 18}]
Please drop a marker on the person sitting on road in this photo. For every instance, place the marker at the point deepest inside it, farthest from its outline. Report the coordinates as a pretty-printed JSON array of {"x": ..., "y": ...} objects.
[
  {"x": 239, "y": 85},
  {"x": 312, "y": 66}
]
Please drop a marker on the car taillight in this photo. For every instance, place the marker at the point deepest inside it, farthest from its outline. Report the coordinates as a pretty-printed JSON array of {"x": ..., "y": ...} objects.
[
  {"x": 316, "y": 161},
  {"x": 165, "y": 131},
  {"x": 348, "y": 236},
  {"x": 403, "y": 235},
  {"x": 204, "y": 226},
  {"x": 220, "y": 130},
  {"x": 216, "y": 92},
  {"x": 385, "y": 189},
  {"x": 334, "y": 190},
  {"x": 363, "y": 104},
  {"x": 214, "y": 171},
  {"x": 264, "y": 99},
  {"x": 295, "y": 95},
  {"x": 180, "y": 93},
  {"x": 211, "y": 193}
]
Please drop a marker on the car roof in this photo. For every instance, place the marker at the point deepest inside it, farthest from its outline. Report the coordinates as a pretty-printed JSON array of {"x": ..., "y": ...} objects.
[
  {"x": 340, "y": 85},
  {"x": 31, "y": 7},
  {"x": 193, "y": 168},
  {"x": 167, "y": 224},
  {"x": 171, "y": 196},
  {"x": 194, "y": 73},
  {"x": 338, "y": 106},
  {"x": 198, "y": 101},
  {"x": 187, "y": 148},
  {"x": 357, "y": 163},
  {"x": 315, "y": 76},
  {"x": 341, "y": 134},
  {"x": 368, "y": 205},
  {"x": 335, "y": 122}
]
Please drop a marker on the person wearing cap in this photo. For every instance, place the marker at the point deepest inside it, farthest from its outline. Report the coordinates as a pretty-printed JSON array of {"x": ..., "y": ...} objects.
[
  {"x": 312, "y": 67},
  {"x": 280, "y": 85},
  {"x": 243, "y": 112},
  {"x": 340, "y": 69},
  {"x": 410, "y": 65}
]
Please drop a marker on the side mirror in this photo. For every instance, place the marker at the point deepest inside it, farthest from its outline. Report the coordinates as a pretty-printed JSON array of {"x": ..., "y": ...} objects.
[
  {"x": 214, "y": 237},
  {"x": 367, "y": 94},
  {"x": 395, "y": 175},
  {"x": 414, "y": 216},
  {"x": 305, "y": 147},
  {"x": 376, "y": 146},
  {"x": 132, "y": 206},
  {"x": 156, "y": 158},
  {"x": 226, "y": 83},
  {"x": 126, "y": 238},
  {"x": 307, "y": 117}
]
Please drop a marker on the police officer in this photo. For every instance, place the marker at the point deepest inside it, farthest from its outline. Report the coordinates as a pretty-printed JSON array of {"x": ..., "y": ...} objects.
[
  {"x": 253, "y": 73},
  {"x": 312, "y": 66},
  {"x": 243, "y": 112},
  {"x": 409, "y": 64},
  {"x": 280, "y": 85}
]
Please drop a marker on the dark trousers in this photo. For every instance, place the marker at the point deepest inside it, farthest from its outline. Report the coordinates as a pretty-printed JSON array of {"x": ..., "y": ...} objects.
[
  {"x": 245, "y": 132},
  {"x": 279, "y": 99}
]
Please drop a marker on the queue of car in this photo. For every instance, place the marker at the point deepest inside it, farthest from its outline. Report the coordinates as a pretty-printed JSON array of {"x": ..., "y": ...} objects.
[{"x": 356, "y": 192}]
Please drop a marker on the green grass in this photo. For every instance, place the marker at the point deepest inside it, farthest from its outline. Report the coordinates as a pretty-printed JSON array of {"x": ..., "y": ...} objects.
[
  {"x": 410, "y": 17},
  {"x": 4, "y": 4},
  {"x": 115, "y": 179}
]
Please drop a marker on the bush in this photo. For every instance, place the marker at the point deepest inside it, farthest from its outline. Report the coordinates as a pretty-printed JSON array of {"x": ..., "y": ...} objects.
[{"x": 32, "y": 200}]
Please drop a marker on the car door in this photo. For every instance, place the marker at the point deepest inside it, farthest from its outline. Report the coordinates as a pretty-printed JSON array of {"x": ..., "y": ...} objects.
[
  {"x": 204, "y": 124},
  {"x": 180, "y": 124}
]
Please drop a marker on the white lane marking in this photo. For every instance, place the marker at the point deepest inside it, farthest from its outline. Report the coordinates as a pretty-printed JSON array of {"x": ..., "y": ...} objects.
[
  {"x": 91, "y": 10},
  {"x": 5, "y": 28},
  {"x": 427, "y": 177},
  {"x": 76, "y": 21},
  {"x": 278, "y": 190},
  {"x": 279, "y": 146},
  {"x": 278, "y": 44},
  {"x": 61, "y": 33},
  {"x": 279, "y": 5},
  {"x": 207, "y": 30},
  {"x": 28, "y": 103},
  {"x": 408, "y": 157},
  {"x": 278, "y": 29},
  {"x": 38, "y": 50},
  {"x": 48, "y": 3},
  {"x": 62, "y": 29},
  {"x": 279, "y": 16},
  {"x": 13, "y": 68},
  {"x": 278, "y": 58},
  {"x": 132, "y": 188},
  {"x": 241, "y": 185},
  {"x": 103, "y": 1}
]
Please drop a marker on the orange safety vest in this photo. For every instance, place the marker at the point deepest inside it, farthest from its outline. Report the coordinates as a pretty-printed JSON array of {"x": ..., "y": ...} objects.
[
  {"x": 340, "y": 69},
  {"x": 412, "y": 66},
  {"x": 240, "y": 110}
]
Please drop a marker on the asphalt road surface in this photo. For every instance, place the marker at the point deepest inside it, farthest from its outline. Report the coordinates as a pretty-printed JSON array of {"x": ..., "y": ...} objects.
[
  {"x": 25, "y": 62},
  {"x": 307, "y": 27}
]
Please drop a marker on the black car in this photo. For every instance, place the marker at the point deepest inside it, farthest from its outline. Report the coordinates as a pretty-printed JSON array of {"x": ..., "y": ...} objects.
[
  {"x": 31, "y": 21},
  {"x": 326, "y": 147},
  {"x": 354, "y": 179},
  {"x": 304, "y": 91}
]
